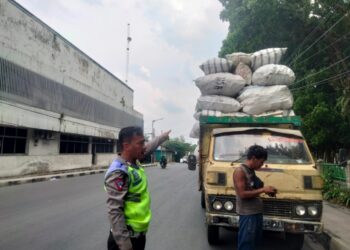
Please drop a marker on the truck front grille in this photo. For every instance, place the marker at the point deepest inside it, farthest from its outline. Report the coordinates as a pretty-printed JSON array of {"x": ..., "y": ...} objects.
[{"x": 278, "y": 208}]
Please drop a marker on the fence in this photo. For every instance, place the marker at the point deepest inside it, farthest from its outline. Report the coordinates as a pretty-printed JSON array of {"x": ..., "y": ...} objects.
[{"x": 337, "y": 172}]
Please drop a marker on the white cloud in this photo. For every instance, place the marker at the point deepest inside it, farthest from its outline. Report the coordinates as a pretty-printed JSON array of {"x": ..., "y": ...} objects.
[
  {"x": 170, "y": 38},
  {"x": 145, "y": 71}
]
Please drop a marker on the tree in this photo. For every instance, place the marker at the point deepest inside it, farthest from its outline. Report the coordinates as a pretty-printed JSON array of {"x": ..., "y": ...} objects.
[
  {"x": 317, "y": 36},
  {"x": 179, "y": 146}
]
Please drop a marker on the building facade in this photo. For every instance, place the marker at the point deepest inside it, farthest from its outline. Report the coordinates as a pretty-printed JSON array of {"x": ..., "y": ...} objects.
[{"x": 59, "y": 109}]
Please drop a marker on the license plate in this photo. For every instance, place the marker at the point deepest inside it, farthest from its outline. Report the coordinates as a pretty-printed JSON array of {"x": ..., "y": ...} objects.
[{"x": 273, "y": 225}]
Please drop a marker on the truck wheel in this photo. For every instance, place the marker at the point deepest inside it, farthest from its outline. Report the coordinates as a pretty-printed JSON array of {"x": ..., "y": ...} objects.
[
  {"x": 294, "y": 241},
  {"x": 213, "y": 234},
  {"x": 202, "y": 199}
]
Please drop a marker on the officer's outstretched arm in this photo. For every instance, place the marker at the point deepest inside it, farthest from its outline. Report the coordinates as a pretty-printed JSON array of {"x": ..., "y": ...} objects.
[{"x": 153, "y": 144}]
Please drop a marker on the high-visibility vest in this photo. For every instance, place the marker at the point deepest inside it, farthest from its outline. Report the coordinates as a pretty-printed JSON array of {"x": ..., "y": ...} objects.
[{"x": 137, "y": 204}]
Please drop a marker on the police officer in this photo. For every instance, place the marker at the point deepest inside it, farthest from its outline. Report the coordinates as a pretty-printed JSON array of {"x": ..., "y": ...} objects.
[{"x": 128, "y": 199}]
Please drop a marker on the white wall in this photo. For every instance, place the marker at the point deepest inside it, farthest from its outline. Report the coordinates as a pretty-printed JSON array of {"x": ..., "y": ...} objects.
[
  {"x": 30, "y": 43},
  {"x": 105, "y": 159},
  {"x": 20, "y": 165},
  {"x": 14, "y": 114},
  {"x": 41, "y": 146}
]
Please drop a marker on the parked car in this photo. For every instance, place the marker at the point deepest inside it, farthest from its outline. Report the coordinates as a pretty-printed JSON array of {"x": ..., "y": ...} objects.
[{"x": 183, "y": 159}]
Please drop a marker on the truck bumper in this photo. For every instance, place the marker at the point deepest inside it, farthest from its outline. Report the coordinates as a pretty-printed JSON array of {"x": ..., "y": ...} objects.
[{"x": 270, "y": 223}]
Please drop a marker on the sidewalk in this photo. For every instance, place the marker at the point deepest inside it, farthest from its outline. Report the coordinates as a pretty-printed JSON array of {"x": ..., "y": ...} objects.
[
  {"x": 65, "y": 174},
  {"x": 336, "y": 221}
]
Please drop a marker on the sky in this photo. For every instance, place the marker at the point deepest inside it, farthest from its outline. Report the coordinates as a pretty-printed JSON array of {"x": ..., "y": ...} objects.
[{"x": 170, "y": 39}]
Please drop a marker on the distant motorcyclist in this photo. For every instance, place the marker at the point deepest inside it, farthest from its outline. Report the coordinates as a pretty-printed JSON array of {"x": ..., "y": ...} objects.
[{"x": 163, "y": 161}]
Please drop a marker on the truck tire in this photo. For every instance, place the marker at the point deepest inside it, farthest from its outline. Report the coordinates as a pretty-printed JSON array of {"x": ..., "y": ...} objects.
[
  {"x": 294, "y": 241},
  {"x": 203, "y": 200},
  {"x": 213, "y": 234}
]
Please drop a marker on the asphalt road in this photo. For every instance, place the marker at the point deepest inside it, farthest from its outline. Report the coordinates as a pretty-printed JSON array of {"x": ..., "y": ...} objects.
[{"x": 70, "y": 214}]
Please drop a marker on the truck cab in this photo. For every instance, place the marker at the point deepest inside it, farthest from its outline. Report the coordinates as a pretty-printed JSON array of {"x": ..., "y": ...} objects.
[{"x": 297, "y": 207}]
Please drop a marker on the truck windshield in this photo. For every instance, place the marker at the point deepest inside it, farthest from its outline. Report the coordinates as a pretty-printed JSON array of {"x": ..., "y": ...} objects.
[{"x": 282, "y": 149}]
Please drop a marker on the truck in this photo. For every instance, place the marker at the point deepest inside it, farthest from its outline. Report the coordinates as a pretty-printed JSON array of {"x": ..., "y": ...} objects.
[{"x": 296, "y": 209}]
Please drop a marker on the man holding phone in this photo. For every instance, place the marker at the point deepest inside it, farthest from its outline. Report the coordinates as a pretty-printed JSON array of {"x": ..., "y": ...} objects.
[{"x": 249, "y": 205}]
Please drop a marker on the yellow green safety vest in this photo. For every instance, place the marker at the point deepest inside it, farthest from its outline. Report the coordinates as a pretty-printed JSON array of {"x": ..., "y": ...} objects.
[{"x": 137, "y": 205}]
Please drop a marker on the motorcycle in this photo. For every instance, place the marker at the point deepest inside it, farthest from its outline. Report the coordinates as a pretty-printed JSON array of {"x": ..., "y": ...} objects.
[{"x": 163, "y": 162}]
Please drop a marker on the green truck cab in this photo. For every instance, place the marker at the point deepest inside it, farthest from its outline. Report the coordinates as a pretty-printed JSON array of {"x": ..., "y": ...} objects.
[{"x": 297, "y": 207}]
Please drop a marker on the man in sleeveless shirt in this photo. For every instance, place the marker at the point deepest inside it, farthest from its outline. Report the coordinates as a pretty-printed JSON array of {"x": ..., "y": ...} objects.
[
  {"x": 128, "y": 202},
  {"x": 249, "y": 205}
]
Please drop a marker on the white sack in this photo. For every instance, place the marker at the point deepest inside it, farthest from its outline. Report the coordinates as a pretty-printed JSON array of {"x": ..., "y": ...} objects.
[
  {"x": 225, "y": 84},
  {"x": 217, "y": 114},
  {"x": 273, "y": 74},
  {"x": 216, "y": 65},
  {"x": 257, "y": 99},
  {"x": 278, "y": 113},
  {"x": 267, "y": 56},
  {"x": 195, "y": 130},
  {"x": 239, "y": 57},
  {"x": 215, "y": 102},
  {"x": 245, "y": 72}
]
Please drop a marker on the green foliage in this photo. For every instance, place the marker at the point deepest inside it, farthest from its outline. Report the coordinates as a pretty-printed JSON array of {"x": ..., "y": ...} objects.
[
  {"x": 318, "y": 40},
  {"x": 179, "y": 146},
  {"x": 334, "y": 192}
]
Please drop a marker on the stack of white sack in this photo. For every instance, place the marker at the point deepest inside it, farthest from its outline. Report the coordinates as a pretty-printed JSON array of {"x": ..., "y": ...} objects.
[
  {"x": 244, "y": 85},
  {"x": 268, "y": 91},
  {"x": 218, "y": 87}
]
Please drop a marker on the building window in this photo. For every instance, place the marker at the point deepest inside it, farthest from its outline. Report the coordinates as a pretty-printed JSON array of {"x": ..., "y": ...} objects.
[
  {"x": 103, "y": 145},
  {"x": 13, "y": 140},
  {"x": 74, "y": 144}
]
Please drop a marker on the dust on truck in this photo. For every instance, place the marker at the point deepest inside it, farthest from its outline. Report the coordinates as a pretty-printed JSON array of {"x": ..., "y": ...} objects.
[{"x": 223, "y": 142}]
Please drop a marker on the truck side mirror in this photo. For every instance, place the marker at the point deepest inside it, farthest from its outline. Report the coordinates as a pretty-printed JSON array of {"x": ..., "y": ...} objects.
[{"x": 192, "y": 162}]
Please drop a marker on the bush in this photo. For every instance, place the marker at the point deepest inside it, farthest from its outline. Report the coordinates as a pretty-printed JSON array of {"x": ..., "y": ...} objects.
[{"x": 335, "y": 192}]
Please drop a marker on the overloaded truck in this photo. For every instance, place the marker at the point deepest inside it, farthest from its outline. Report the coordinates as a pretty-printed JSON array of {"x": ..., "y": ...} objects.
[{"x": 223, "y": 142}]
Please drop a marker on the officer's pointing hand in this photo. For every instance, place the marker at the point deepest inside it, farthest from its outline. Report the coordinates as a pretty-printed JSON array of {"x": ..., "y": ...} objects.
[{"x": 166, "y": 134}]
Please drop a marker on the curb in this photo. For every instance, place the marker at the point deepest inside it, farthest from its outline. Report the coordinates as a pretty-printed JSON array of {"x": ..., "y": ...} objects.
[
  {"x": 24, "y": 180},
  {"x": 322, "y": 238},
  {"x": 33, "y": 179},
  {"x": 335, "y": 242}
]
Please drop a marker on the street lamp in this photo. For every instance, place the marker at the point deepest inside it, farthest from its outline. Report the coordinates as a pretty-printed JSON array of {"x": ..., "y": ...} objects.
[{"x": 153, "y": 121}]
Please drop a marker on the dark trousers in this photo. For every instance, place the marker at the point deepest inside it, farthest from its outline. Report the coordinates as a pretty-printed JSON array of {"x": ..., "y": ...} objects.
[
  {"x": 137, "y": 243},
  {"x": 250, "y": 231}
]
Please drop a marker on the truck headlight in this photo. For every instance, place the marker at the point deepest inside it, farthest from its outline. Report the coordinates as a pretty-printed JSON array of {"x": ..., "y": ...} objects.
[
  {"x": 300, "y": 210},
  {"x": 312, "y": 210},
  {"x": 228, "y": 205},
  {"x": 217, "y": 205}
]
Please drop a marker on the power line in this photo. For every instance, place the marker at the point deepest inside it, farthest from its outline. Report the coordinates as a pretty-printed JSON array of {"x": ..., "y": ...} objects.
[
  {"x": 332, "y": 65},
  {"x": 318, "y": 39},
  {"x": 324, "y": 81},
  {"x": 306, "y": 38},
  {"x": 344, "y": 36}
]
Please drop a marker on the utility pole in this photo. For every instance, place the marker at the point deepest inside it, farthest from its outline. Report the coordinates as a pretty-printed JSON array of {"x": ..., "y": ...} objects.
[{"x": 128, "y": 40}]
